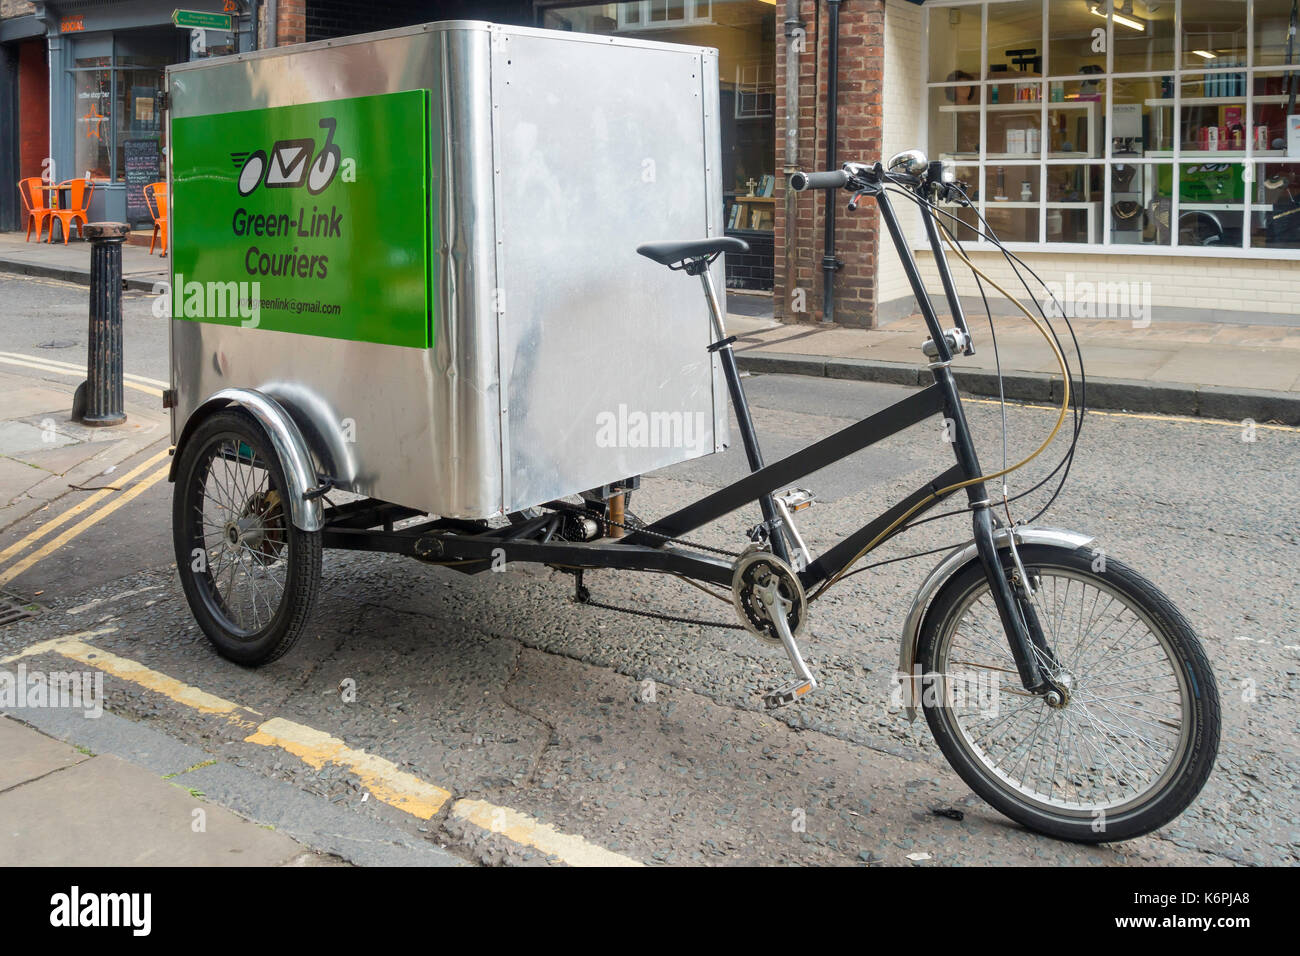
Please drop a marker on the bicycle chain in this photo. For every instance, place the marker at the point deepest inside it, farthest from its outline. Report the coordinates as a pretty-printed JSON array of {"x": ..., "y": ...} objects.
[
  {"x": 642, "y": 529},
  {"x": 584, "y": 596},
  {"x": 659, "y": 616}
]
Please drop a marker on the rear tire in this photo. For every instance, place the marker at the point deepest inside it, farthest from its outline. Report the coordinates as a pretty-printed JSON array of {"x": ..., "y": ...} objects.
[
  {"x": 1135, "y": 742},
  {"x": 249, "y": 575}
]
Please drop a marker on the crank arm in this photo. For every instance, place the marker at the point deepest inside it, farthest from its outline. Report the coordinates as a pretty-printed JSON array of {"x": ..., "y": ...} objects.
[{"x": 804, "y": 683}]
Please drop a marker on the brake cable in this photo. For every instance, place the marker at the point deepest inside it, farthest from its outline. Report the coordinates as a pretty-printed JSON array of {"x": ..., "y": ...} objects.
[{"x": 957, "y": 486}]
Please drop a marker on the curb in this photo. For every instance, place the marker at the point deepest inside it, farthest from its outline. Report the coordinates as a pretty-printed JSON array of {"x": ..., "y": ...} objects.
[
  {"x": 66, "y": 274},
  {"x": 1131, "y": 395}
]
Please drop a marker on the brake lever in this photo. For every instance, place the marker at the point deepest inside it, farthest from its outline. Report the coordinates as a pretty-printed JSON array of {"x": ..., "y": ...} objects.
[{"x": 857, "y": 197}]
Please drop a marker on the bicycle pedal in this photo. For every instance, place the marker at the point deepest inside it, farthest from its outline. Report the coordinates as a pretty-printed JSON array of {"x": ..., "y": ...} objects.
[
  {"x": 796, "y": 499},
  {"x": 789, "y": 694}
]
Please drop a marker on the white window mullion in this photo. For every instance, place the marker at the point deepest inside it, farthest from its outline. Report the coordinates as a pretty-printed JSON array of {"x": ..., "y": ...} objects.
[
  {"x": 1044, "y": 140},
  {"x": 1176, "y": 174},
  {"x": 981, "y": 168},
  {"x": 1248, "y": 185}
]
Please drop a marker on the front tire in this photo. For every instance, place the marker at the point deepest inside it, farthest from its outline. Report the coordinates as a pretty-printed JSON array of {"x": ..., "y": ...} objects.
[
  {"x": 1136, "y": 740},
  {"x": 249, "y": 575}
]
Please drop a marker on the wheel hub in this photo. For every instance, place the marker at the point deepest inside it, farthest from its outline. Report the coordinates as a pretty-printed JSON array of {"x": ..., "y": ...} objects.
[{"x": 1060, "y": 697}]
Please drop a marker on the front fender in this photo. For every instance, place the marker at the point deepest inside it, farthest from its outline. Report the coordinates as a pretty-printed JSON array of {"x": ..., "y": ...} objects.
[
  {"x": 953, "y": 562},
  {"x": 286, "y": 440}
]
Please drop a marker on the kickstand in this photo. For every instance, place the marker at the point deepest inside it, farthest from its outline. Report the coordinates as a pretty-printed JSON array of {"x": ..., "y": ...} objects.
[{"x": 580, "y": 593}]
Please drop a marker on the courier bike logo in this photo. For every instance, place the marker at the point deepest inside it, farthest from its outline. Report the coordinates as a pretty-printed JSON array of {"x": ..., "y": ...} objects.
[{"x": 290, "y": 164}]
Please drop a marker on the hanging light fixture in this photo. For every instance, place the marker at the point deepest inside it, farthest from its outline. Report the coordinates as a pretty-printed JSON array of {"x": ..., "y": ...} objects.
[{"x": 1126, "y": 18}]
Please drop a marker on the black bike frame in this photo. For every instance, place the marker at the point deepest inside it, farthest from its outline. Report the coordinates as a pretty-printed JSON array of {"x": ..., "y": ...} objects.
[{"x": 651, "y": 549}]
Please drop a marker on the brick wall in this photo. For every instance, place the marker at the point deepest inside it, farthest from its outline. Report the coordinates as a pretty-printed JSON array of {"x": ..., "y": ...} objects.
[
  {"x": 291, "y": 22},
  {"x": 861, "y": 70},
  {"x": 15, "y": 8}
]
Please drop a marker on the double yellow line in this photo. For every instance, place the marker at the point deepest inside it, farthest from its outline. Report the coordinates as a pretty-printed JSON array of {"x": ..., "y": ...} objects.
[
  {"x": 150, "y": 386},
  {"x": 129, "y": 493},
  {"x": 383, "y": 779}
]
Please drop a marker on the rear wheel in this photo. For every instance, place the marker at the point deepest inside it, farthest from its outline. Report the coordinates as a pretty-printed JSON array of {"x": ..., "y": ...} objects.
[
  {"x": 1133, "y": 741},
  {"x": 249, "y": 575}
]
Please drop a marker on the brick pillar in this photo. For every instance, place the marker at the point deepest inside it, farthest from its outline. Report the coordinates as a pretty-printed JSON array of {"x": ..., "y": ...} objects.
[
  {"x": 291, "y": 22},
  {"x": 799, "y": 245}
]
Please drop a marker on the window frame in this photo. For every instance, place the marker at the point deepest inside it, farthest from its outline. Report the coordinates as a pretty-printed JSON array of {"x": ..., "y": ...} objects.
[{"x": 1249, "y": 159}]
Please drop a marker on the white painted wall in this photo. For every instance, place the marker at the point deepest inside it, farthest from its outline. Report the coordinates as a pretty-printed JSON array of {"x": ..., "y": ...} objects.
[
  {"x": 1181, "y": 287},
  {"x": 903, "y": 103}
]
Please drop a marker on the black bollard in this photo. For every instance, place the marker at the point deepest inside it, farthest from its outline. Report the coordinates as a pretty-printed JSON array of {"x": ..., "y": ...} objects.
[{"x": 103, "y": 392}]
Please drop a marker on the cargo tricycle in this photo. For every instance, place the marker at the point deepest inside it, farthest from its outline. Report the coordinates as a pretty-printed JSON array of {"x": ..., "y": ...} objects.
[{"x": 423, "y": 304}]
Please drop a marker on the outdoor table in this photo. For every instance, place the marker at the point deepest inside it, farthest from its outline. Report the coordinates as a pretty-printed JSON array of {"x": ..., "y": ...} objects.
[{"x": 58, "y": 197}]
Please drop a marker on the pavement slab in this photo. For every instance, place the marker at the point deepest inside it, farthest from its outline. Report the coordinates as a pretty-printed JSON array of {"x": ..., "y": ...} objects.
[{"x": 29, "y": 755}]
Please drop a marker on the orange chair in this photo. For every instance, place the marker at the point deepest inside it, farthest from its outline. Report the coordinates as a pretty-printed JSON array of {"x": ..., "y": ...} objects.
[
  {"x": 155, "y": 197},
  {"x": 32, "y": 190},
  {"x": 78, "y": 208}
]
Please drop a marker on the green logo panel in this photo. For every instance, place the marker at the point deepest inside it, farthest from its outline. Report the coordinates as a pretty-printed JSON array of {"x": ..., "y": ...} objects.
[{"x": 324, "y": 206}]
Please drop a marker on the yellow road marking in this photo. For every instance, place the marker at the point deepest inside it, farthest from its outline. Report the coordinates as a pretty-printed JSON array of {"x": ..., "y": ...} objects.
[
  {"x": 526, "y": 830},
  {"x": 1145, "y": 416},
  {"x": 77, "y": 509},
  {"x": 381, "y": 777},
  {"x": 41, "y": 366},
  {"x": 54, "y": 644},
  {"x": 126, "y": 497},
  {"x": 44, "y": 360},
  {"x": 148, "y": 678}
]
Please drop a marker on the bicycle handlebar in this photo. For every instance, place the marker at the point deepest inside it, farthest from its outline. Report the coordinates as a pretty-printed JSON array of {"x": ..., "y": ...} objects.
[{"x": 834, "y": 179}]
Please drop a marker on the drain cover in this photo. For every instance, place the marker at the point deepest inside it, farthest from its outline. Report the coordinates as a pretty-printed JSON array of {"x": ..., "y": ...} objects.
[{"x": 11, "y": 613}]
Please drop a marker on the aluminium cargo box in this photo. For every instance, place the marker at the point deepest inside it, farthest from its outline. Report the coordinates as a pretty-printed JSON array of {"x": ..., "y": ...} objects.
[{"x": 442, "y": 222}]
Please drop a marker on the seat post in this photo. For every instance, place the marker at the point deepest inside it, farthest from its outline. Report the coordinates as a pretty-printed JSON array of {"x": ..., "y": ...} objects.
[{"x": 715, "y": 309}]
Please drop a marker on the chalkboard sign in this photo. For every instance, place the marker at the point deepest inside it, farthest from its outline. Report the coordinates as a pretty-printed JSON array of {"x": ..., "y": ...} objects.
[{"x": 142, "y": 168}]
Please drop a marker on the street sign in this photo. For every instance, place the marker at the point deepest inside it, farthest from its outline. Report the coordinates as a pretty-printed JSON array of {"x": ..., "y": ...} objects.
[{"x": 197, "y": 19}]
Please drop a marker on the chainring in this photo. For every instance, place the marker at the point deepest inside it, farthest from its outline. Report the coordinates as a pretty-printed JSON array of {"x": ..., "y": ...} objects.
[{"x": 754, "y": 568}]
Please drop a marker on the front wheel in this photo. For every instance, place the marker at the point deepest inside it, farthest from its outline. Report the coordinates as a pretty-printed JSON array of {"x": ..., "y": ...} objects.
[
  {"x": 249, "y": 575},
  {"x": 1136, "y": 736}
]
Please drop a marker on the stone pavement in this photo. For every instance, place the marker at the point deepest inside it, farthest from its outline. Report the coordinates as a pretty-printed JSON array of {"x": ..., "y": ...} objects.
[
  {"x": 1216, "y": 370},
  {"x": 65, "y": 806},
  {"x": 44, "y": 455},
  {"x": 71, "y": 263}
]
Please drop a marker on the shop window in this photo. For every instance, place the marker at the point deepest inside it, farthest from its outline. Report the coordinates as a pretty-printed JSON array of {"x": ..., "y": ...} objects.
[
  {"x": 1142, "y": 33},
  {"x": 1169, "y": 124},
  {"x": 1214, "y": 34},
  {"x": 1275, "y": 206},
  {"x": 118, "y": 129},
  {"x": 1275, "y": 29},
  {"x": 93, "y": 112}
]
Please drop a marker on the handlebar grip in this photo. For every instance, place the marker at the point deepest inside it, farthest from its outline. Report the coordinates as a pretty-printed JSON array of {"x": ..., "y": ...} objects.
[{"x": 835, "y": 179}]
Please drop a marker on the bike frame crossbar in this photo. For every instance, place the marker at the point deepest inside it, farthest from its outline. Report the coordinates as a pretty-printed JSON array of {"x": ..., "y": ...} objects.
[{"x": 915, "y": 408}]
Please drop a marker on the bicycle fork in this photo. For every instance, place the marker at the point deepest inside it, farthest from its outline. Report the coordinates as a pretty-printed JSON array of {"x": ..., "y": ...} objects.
[{"x": 1014, "y": 602}]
